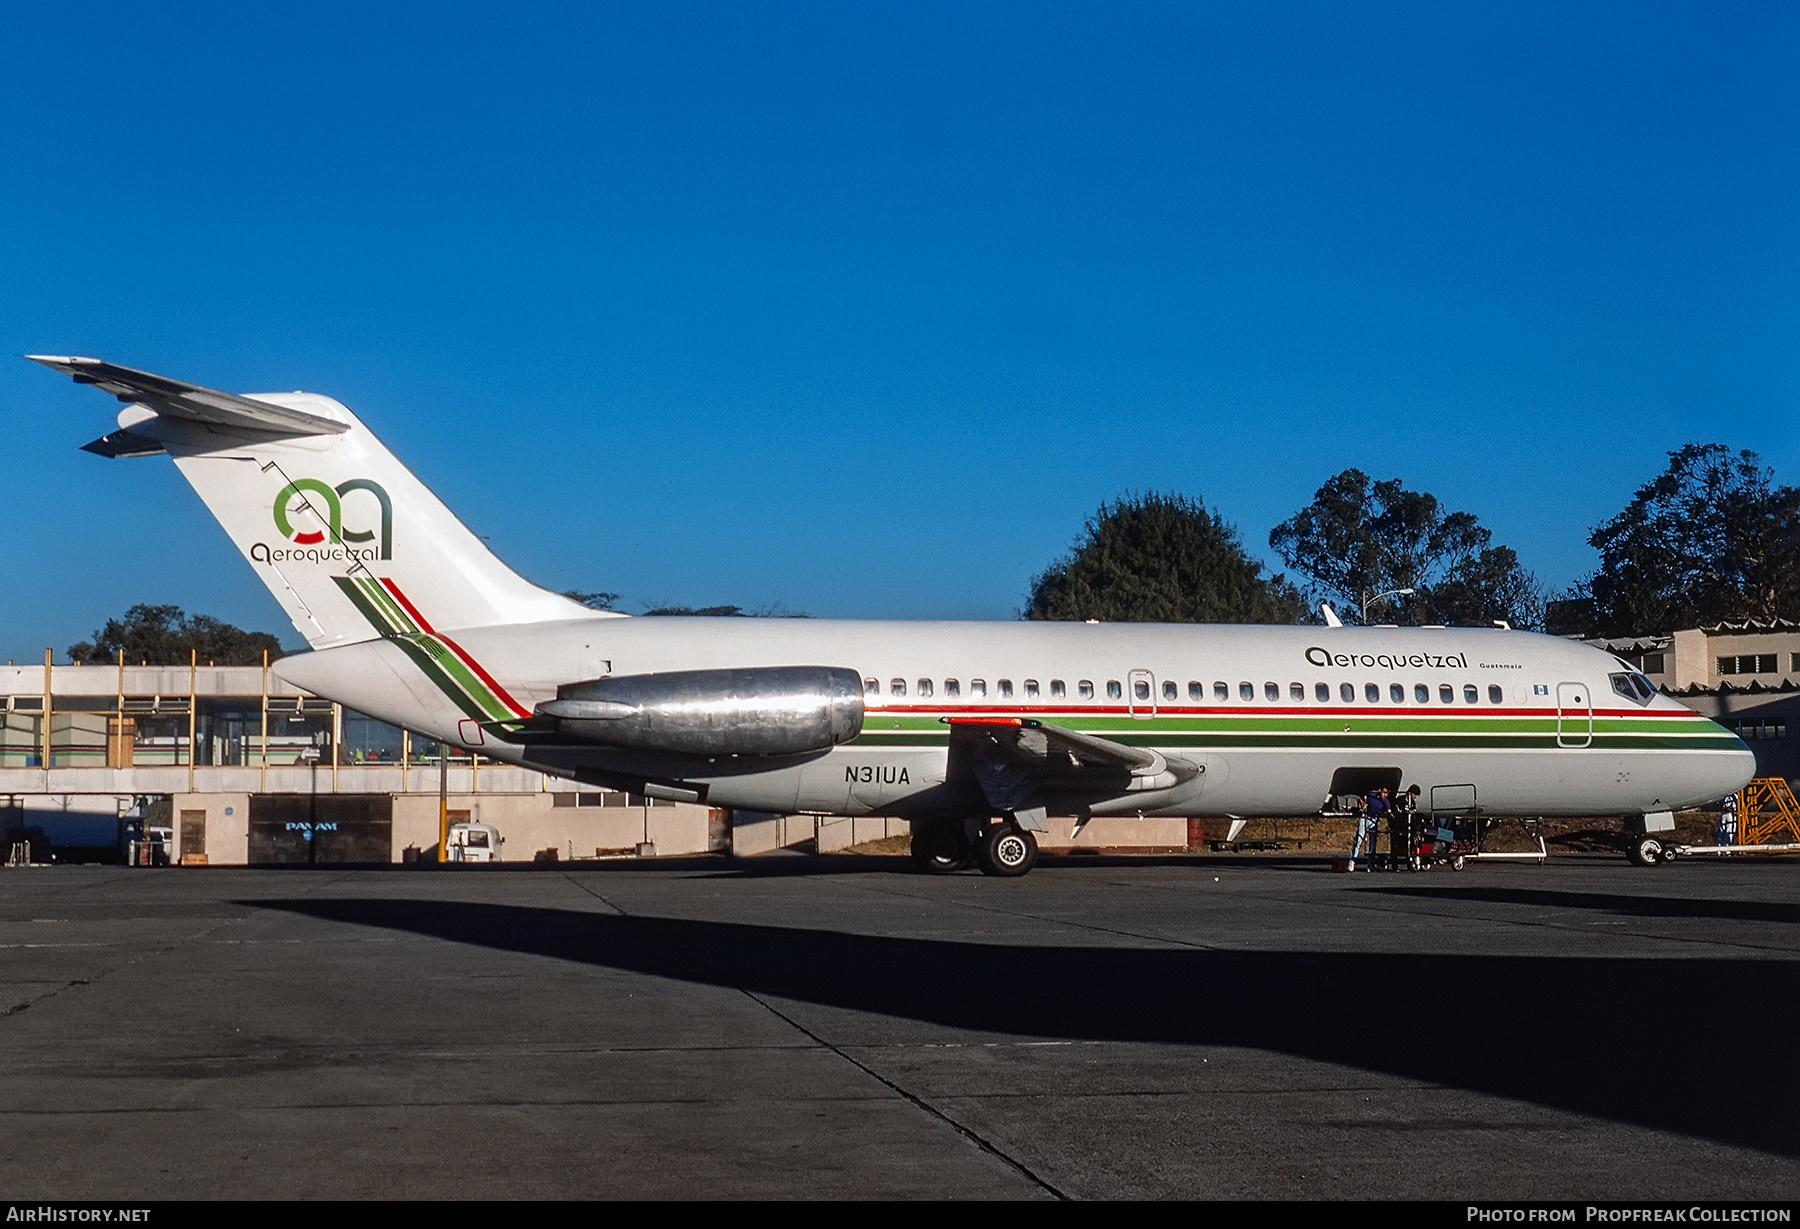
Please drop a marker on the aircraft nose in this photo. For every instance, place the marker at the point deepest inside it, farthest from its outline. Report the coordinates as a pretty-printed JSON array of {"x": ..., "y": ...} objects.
[{"x": 1727, "y": 770}]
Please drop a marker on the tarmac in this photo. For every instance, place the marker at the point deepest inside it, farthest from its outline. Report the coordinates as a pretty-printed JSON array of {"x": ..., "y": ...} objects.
[{"x": 828, "y": 1027}]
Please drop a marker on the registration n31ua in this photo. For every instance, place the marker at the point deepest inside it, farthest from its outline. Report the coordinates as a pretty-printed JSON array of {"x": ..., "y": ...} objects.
[{"x": 977, "y": 733}]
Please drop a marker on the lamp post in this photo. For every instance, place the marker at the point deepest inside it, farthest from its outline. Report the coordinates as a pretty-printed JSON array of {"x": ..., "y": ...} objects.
[
  {"x": 1369, "y": 601},
  {"x": 309, "y": 755}
]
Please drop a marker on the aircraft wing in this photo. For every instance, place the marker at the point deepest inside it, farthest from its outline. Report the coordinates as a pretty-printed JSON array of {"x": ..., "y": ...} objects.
[
  {"x": 179, "y": 399},
  {"x": 1020, "y": 762}
]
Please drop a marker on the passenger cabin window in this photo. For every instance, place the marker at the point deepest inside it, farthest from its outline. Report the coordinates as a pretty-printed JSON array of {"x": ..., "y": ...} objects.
[
  {"x": 1221, "y": 691},
  {"x": 1470, "y": 694},
  {"x": 1169, "y": 690},
  {"x": 1446, "y": 694},
  {"x": 1113, "y": 690},
  {"x": 1347, "y": 692},
  {"x": 1272, "y": 691},
  {"x": 1396, "y": 693},
  {"x": 978, "y": 687},
  {"x": 924, "y": 687},
  {"x": 1494, "y": 693},
  {"x": 1006, "y": 689},
  {"x": 1246, "y": 691},
  {"x": 1372, "y": 693},
  {"x": 1296, "y": 691},
  {"x": 1031, "y": 689},
  {"x": 1196, "y": 691},
  {"x": 1141, "y": 689},
  {"x": 1085, "y": 688},
  {"x": 1421, "y": 693},
  {"x": 871, "y": 687},
  {"x": 897, "y": 687},
  {"x": 952, "y": 687},
  {"x": 1058, "y": 689},
  {"x": 1322, "y": 692}
]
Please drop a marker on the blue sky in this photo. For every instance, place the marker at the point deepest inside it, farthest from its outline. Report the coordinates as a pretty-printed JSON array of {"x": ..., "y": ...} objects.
[{"x": 862, "y": 309}]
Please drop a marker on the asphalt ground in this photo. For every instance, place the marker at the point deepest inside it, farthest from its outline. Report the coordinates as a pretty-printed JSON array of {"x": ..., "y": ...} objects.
[{"x": 841, "y": 1027}]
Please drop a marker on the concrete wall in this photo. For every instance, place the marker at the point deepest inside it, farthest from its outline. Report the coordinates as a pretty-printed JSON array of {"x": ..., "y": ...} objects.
[
  {"x": 754, "y": 833},
  {"x": 529, "y": 822},
  {"x": 227, "y": 826}
]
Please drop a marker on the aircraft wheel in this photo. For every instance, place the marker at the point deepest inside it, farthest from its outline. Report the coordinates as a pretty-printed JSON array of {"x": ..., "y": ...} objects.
[
  {"x": 1008, "y": 852},
  {"x": 1458, "y": 862},
  {"x": 1646, "y": 850},
  {"x": 940, "y": 849}
]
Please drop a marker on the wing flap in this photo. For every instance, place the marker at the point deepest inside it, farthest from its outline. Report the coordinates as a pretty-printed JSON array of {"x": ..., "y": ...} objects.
[{"x": 1020, "y": 762}]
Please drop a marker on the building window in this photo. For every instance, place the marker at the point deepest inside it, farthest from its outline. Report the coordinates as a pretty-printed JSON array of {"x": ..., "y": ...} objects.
[
  {"x": 1653, "y": 663},
  {"x": 1748, "y": 663},
  {"x": 1752, "y": 729}
]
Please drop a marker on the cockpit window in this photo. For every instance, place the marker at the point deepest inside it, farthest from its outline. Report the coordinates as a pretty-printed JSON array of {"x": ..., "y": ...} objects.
[{"x": 1634, "y": 687}]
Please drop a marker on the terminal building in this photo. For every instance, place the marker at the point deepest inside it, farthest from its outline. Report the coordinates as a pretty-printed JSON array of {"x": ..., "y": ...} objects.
[{"x": 228, "y": 765}]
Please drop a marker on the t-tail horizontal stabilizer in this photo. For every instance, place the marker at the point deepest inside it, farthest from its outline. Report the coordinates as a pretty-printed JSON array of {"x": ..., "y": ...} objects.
[
  {"x": 351, "y": 544},
  {"x": 181, "y": 400}
]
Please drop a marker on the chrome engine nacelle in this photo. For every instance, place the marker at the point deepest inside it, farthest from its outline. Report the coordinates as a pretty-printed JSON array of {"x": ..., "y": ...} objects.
[{"x": 768, "y": 710}]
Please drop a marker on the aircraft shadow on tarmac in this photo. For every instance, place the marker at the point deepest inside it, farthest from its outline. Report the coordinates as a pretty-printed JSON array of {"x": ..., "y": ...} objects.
[
  {"x": 1629, "y": 1040},
  {"x": 1633, "y": 906}
]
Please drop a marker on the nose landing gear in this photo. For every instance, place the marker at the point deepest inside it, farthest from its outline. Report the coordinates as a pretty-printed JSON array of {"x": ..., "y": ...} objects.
[{"x": 1649, "y": 850}]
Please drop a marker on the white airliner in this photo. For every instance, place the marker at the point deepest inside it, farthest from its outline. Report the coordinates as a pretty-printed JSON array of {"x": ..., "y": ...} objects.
[{"x": 976, "y": 732}]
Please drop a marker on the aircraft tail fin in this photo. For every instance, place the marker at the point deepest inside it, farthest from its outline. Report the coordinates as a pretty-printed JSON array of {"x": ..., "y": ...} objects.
[{"x": 351, "y": 544}]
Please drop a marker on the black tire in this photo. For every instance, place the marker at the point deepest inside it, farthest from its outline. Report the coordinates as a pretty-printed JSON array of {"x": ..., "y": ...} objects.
[
  {"x": 940, "y": 849},
  {"x": 1647, "y": 850},
  {"x": 1007, "y": 852}
]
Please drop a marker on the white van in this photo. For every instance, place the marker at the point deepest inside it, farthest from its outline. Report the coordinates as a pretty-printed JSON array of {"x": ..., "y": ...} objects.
[{"x": 474, "y": 843}]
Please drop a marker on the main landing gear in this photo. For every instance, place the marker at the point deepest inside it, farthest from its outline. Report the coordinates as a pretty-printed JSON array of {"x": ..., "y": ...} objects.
[{"x": 1003, "y": 850}]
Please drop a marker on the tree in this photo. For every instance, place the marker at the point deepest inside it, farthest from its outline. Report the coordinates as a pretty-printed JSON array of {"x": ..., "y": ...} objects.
[
  {"x": 1161, "y": 559},
  {"x": 593, "y": 601},
  {"x": 164, "y": 636},
  {"x": 1711, "y": 538},
  {"x": 1359, "y": 539}
]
